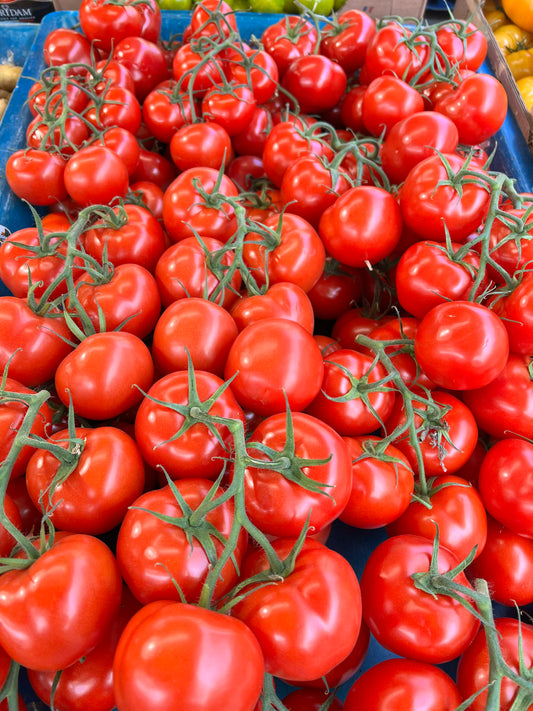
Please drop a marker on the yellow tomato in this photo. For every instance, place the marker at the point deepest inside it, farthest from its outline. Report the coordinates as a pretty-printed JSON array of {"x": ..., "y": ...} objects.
[
  {"x": 511, "y": 38},
  {"x": 496, "y": 18},
  {"x": 520, "y": 12},
  {"x": 525, "y": 87},
  {"x": 521, "y": 63},
  {"x": 491, "y": 5}
]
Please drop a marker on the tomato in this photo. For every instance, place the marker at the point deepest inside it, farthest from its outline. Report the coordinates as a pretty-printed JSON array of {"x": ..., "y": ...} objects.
[
  {"x": 510, "y": 241},
  {"x": 506, "y": 563},
  {"x": 105, "y": 480},
  {"x": 164, "y": 110},
  {"x": 231, "y": 108},
  {"x": 346, "y": 39},
  {"x": 128, "y": 298},
  {"x": 46, "y": 134},
  {"x": 432, "y": 208},
  {"x": 155, "y": 555},
  {"x": 172, "y": 653},
  {"x": 461, "y": 345},
  {"x": 403, "y": 685},
  {"x": 37, "y": 176},
  {"x": 288, "y": 38},
  {"x": 478, "y": 107},
  {"x": 150, "y": 196},
  {"x": 196, "y": 202},
  {"x": 315, "y": 81},
  {"x": 295, "y": 253},
  {"x": 473, "y": 666},
  {"x": 280, "y": 501},
  {"x": 408, "y": 621},
  {"x": 344, "y": 402},
  {"x": 106, "y": 24},
  {"x": 463, "y": 44},
  {"x": 212, "y": 18},
  {"x": 255, "y": 68},
  {"x": 116, "y": 363},
  {"x": 456, "y": 508},
  {"x": 96, "y": 175},
  {"x": 387, "y": 101},
  {"x": 336, "y": 290},
  {"x": 253, "y": 139},
  {"x": 521, "y": 66},
  {"x": 110, "y": 72},
  {"x": 193, "y": 72},
  {"x": 266, "y": 386},
  {"x": 115, "y": 106},
  {"x": 349, "y": 227},
  {"x": 33, "y": 345},
  {"x": 525, "y": 87},
  {"x": 134, "y": 237},
  {"x": 309, "y": 621},
  {"x": 145, "y": 60},
  {"x": 64, "y": 45},
  {"x": 193, "y": 328},
  {"x": 446, "y": 441},
  {"x": 521, "y": 13},
  {"x": 58, "y": 609},
  {"x": 281, "y": 300},
  {"x": 514, "y": 308},
  {"x": 309, "y": 700},
  {"x": 89, "y": 681},
  {"x": 205, "y": 143},
  {"x": 414, "y": 138},
  {"x": 395, "y": 50},
  {"x": 154, "y": 167},
  {"x": 198, "y": 451},
  {"x": 429, "y": 273},
  {"x": 349, "y": 325}
]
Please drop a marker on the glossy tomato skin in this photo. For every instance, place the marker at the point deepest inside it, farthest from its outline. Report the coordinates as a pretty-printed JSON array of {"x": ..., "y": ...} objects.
[
  {"x": 114, "y": 363},
  {"x": 37, "y": 176},
  {"x": 506, "y": 563},
  {"x": 197, "y": 452},
  {"x": 283, "y": 300},
  {"x": 403, "y": 685},
  {"x": 506, "y": 485},
  {"x": 265, "y": 383},
  {"x": 288, "y": 38},
  {"x": 381, "y": 489},
  {"x": 344, "y": 370},
  {"x": 95, "y": 175},
  {"x": 308, "y": 622},
  {"x": 146, "y": 62},
  {"x": 106, "y": 24},
  {"x": 349, "y": 227},
  {"x": 108, "y": 477},
  {"x": 387, "y": 101},
  {"x": 461, "y": 345},
  {"x": 347, "y": 41},
  {"x": 437, "y": 629},
  {"x": 316, "y": 81},
  {"x": 458, "y": 511},
  {"x": 154, "y": 555},
  {"x": 281, "y": 507},
  {"x": 165, "y": 656},
  {"x": 309, "y": 700},
  {"x": 473, "y": 666},
  {"x": 44, "y": 342},
  {"x": 55, "y": 611}
]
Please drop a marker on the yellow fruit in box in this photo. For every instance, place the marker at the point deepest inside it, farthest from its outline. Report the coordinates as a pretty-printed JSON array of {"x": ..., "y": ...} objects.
[
  {"x": 525, "y": 87},
  {"x": 511, "y": 38},
  {"x": 520, "y": 12}
]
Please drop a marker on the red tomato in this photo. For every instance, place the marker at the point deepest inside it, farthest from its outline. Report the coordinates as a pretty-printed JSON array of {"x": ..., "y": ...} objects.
[
  {"x": 105, "y": 479},
  {"x": 281, "y": 300},
  {"x": 105, "y": 375},
  {"x": 232, "y": 107},
  {"x": 64, "y": 45},
  {"x": 403, "y": 685},
  {"x": 463, "y": 44},
  {"x": 289, "y": 37},
  {"x": 310, "y": 700},
  {"x": 95, "y": 175},
  {"x": 456, "y": 508},
  {"x": 193, "y": 72},
  {"x": 106, "y": 25},
  {"x": 37, "y": 176},
  {"x": 154, "y": 167},
  {"x": 266, "y": 384},
  {"x": 504, "y": 407},
  {"x": 279, "y": 501},
  {"x": 199, "y": 450},
  {"x": 408, "y": 621},
  {"x": 33, "y": 345},
  {"x": 346, "y": 39},
  {"x": 201, "y": 144},
  {"x": 58, "y": 609},
  {"x": 362, "y": 226},
  {"x": 157, "y": 556},
  {"x": 165, "y": 110},
  {"x": 146, "y": 62},
  {"x": 446, "y": 437},
  {"x": 461, "y": 345},
  {"x": 309, "y": 621},
  {"x": 336, "y": 290},
  {"x": 316, "y": 82},
  {"x": 387, "y": 101},
  {"x": 256, "y": 69},
  {"x": 123, "y": 143},
  {"x": 506, "y": 563},
  {"x": 165, "y": 658},
  {"x": 344, "y": 401},
  {"x": 193, "y": 328},
  {"x": 516, "y": 312},
  {"x": 115, "y": 106},
  {"x": 395, "y": 50},
  {"x": 382, "y": 484},
  {"x": 473, "y": 667}
]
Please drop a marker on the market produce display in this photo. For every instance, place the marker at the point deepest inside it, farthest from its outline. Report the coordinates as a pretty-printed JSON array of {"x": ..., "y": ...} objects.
[{"x": 272, "y": 289}]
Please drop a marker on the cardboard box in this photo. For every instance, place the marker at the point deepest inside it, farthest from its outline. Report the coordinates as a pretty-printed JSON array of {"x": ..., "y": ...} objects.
[
  {"x": 473, "y": 10},
  {"x": 385, "y": 8}
]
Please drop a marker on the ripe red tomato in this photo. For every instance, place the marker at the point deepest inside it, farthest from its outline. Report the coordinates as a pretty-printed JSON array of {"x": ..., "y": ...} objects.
[
  {"x": 408, "y": 621},
  {"x": 394, "y": 50},
  {"x": 310, "y": 700},
  {"x": 387, "y": 101},
  {"x": 267, "y": 385},
  {"x": 461, "y": 345},
  {"x": 316, "y": 82},
  {"x": 289, "y": 37},
  {"x": 173, "y": 654},
  {"x": 281, "y": 300},
  {"x": 201, "y": 144},
  {"x": 403, "y": 685},
  {"x": 106, "y": 478},
  {"x": 58, "y": 609},
  {"x": 309, "y": 621},
  {"x": 37, "y": 176},
  {"x": 105, "y": 24},
  {"x": 156, "y": 555},
  {"x": 105, "y": 375},
  {"x": 95, "y": 176},
  {"x": 145, "y": 60},
  {"x": 346, "y": 39}
]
